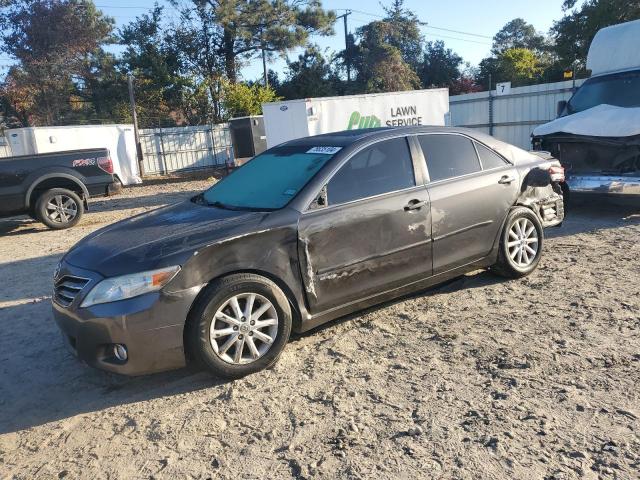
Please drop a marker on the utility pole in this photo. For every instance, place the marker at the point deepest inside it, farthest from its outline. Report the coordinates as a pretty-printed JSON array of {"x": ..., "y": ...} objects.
[
  {"x": 347, "y": 50},
  {"x": 264, "y": 67},
  {"x": 136, "y": 134}
]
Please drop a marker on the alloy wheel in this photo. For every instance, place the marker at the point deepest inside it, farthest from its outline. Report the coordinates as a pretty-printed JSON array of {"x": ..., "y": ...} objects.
[
  {"x": 523, "y": 242},
  {"x": 243, "y": 328},
  {"x": 62, "y": 209}
]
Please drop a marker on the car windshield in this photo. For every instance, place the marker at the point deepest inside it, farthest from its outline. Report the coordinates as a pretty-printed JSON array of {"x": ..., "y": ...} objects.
[
  {"x": 270, "y": 180},
  {"x": 620, "y": 90}
]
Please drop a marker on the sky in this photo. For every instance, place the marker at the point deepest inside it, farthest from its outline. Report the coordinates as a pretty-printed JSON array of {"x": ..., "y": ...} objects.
[{"x": 474, "y": 21}]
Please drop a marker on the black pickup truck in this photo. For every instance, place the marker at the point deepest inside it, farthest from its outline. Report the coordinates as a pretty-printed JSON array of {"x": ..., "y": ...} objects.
[{"x": 54, "y": 187}]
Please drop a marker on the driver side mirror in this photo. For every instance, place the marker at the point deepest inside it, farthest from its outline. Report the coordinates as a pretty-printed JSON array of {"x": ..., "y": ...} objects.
[{"x": 562, "y": 104}]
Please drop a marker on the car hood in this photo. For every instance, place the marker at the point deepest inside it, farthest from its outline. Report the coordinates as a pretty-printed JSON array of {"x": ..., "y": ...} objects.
[
  {"x": 600, "y": 121},
  {"x": 162, "y": 237}
]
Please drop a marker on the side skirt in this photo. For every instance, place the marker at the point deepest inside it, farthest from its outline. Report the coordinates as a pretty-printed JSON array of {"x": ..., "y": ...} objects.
[{"x": 323, "y": 317}]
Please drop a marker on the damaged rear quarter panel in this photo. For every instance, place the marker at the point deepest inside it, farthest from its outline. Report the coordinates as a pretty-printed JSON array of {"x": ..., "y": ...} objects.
[{"x": 539, "y": 193}]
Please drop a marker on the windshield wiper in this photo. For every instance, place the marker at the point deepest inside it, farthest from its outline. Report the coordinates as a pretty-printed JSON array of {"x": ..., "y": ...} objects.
[
  {"x": 218, "y": 204},
  {"x": 238, "y": 208},
  {"x": 201, "y": 200}
]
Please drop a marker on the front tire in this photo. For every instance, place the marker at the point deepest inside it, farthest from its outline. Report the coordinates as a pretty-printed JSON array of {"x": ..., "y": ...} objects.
[
  {"x": 239, "y": 326},
  {"x": 59, "y": 208},
  {"x": 520, "y": 244}
]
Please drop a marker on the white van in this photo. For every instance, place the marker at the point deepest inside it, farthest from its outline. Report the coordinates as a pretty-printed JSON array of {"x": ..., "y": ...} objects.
[{"x": 597, "y": 134}]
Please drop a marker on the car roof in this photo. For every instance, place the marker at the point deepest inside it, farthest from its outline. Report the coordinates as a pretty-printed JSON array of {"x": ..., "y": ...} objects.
[
  {"x": 348, "y": 137},
  {"x": 351, "y": 137}
]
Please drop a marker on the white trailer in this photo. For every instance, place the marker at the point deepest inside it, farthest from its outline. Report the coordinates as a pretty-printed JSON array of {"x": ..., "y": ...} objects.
[
  {"x": 292, "y": 119},
  {"x": 119, "y": 139}
]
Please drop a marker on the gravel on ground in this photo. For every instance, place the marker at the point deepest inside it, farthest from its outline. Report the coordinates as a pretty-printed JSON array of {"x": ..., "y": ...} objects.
[{"x": 480, "y": 378}]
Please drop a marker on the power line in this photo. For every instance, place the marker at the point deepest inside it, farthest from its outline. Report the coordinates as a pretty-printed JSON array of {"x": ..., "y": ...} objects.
[
  {"x": 459, "y": 31},
  {"x": 139, "y": 7},
  {"x": 376, "y": 15},
  {"x": 128, "y": 7},
  {"x": 437, "y": 35}
]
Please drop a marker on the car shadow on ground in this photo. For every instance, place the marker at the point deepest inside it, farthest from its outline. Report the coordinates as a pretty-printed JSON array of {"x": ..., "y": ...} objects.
[
  {"x": 19, "y": 226},
  {"x": 590, "y": 215},
  {"x": 477, "y": 279},
  {"x": 41, "y": 381}
]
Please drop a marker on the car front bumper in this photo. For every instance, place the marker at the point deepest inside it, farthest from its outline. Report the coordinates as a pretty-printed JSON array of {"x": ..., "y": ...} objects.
[
  {"x": 618, "y": 185},
  {"x": 150, "y": 326}
]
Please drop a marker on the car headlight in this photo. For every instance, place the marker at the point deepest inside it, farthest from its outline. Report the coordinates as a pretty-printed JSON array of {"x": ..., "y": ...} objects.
[{"x": 128, "y": 286}]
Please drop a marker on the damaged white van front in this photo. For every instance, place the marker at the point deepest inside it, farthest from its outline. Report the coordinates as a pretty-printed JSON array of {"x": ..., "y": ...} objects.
[{"x": 597, "y": 134}]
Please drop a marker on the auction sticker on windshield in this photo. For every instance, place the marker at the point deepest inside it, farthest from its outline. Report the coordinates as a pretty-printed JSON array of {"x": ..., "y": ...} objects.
[{"x": 325, "y": 150}]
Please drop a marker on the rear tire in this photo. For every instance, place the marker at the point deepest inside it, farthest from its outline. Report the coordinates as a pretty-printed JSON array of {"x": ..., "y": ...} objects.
[
  {"x": 59, "y": 208},
  {"x": 520, "y": 244},
  {"x": 239, "y": 326}
]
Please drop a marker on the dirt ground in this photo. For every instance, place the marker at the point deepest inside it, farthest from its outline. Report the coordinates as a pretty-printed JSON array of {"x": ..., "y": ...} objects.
[{"x": 536, "y": 378}]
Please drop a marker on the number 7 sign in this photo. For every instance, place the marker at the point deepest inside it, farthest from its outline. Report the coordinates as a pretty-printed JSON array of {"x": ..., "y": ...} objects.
[{"x": 503, "y": 88}]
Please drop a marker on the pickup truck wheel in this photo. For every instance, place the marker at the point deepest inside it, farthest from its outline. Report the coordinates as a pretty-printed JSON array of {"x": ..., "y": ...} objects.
[
  {"x": 239, "y": 326},
  {"x": 520, "y": 244},
  {"x": 59, "y": 208}
]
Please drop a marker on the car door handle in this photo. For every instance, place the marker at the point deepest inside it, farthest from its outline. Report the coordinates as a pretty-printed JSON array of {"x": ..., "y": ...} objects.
[
  {"x": 414, "y": 205},
  {"x": 506, "y": 180}
]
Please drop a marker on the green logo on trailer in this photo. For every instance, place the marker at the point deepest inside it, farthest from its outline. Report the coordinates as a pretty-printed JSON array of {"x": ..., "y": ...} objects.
[{"x": 357, "y": 121}]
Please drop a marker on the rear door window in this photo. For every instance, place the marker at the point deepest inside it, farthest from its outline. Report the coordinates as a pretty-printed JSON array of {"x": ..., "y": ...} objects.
[
  {"x": 488, "y": 158},
  {"x": 449, "y": 156},
  {"x": 380, "y": 168}
]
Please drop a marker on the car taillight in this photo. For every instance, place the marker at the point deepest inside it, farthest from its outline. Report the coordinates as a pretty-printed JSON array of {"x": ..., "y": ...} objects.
[
  {"x": 105, "y": 164},
  {"x": 556, "y": 173}
]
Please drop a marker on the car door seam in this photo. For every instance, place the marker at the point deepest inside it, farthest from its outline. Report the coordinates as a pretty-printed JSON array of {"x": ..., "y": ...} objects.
[{"x": 461, "y": 230}]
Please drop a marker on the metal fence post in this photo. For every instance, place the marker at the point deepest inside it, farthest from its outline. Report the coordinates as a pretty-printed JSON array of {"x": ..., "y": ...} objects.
[
  {"x": 213, "y": 144},
  {"x": 490, "y": 113},
  {"x": 163, "y": 163},
  {"x": 490, "y": 107}
]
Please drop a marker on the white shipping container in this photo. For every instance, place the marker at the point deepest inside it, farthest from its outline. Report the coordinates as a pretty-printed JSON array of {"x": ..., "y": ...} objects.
[
  {"x": 119, "y": 139},
  {"x": 292, "y": 119}
]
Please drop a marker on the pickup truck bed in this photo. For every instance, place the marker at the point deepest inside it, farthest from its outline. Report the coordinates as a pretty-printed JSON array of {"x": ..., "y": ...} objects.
[{"x": 54, "y": 187}]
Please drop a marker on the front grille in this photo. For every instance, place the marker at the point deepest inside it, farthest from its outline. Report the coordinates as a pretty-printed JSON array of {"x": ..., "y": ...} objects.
[{"x": 67, "y": 288}]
